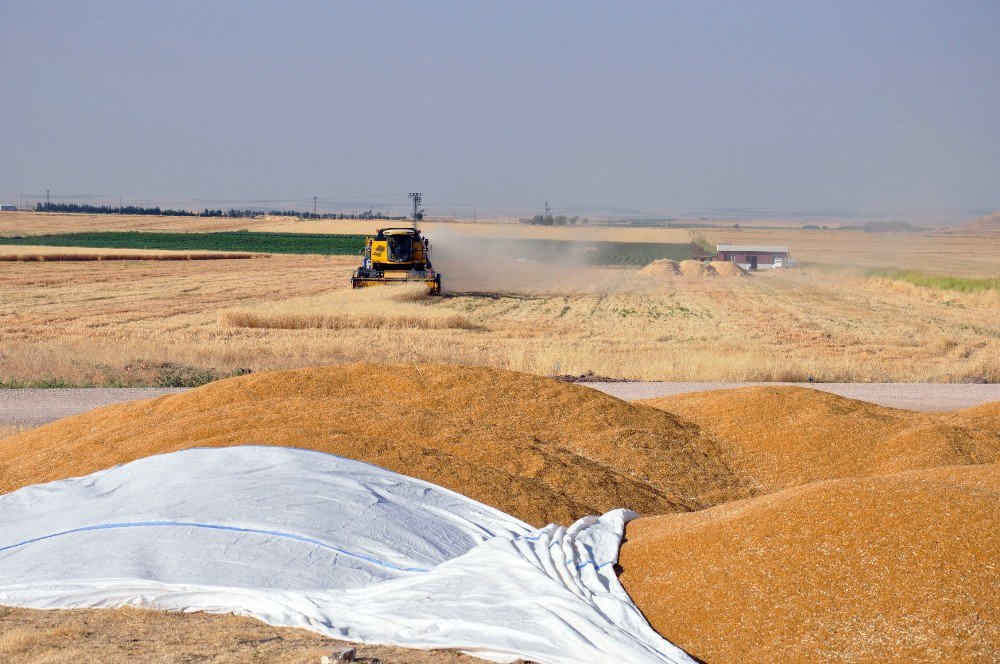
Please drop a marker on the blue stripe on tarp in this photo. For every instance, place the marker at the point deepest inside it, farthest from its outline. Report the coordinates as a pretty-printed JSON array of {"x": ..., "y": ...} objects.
[{"x": 213, "y": 526}]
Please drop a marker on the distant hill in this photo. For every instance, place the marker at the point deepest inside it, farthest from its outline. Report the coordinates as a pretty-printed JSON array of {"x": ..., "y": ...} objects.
[
  {"x": 883, "y": 227},
  {"x": 988, "y": 225}
]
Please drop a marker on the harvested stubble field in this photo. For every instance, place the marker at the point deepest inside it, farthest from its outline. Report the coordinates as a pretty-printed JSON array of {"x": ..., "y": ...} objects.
[
  {"x": 121, "y": 322},
  {"x": 405, "y": 306},
  {"x": 28, "y": 253},
  {"x": 860, "y": 547}
]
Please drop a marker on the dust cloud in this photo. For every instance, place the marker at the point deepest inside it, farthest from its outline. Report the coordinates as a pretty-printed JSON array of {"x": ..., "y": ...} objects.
[{"x": 513, "y": 266}]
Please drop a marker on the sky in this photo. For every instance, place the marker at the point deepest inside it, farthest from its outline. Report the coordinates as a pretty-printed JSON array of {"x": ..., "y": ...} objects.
[{"x": 632, "y": 106}]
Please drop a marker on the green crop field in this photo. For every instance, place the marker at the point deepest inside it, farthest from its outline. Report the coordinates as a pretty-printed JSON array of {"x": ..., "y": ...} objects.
[
  {"x": 939, "y": 281},
  {"x": 595, "y": 254},
  {"x": 601, "y": 254},
  {"x": 271, "y": 243}
]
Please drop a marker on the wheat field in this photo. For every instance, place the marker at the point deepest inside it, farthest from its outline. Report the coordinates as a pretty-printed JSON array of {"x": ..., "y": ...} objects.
[
  {"x": 145, "y": 323},
  {"x": 941, "y": 250}
]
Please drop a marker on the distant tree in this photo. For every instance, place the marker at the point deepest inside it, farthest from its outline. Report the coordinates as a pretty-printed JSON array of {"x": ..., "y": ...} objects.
[
  {"x": 232, "y": 213},
  {"x": 107, "y": 209},
  {"x": 701, "y": 242}
]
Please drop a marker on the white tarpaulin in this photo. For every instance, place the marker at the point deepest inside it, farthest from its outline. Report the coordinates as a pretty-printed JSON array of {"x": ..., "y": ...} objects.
[{"x": 305, "y": 539}]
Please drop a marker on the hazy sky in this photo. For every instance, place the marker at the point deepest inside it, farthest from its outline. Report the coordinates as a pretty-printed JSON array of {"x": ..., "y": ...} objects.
[{"x": 658, "y": 106}]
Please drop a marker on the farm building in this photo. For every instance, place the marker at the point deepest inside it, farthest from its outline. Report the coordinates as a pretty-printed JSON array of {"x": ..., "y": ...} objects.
[
  {"x": 7, "y": 207},
  {"x": 754, "y": 257}
]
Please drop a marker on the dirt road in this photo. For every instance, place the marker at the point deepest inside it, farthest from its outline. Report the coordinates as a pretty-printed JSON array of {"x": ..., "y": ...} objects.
[{"x": 34, "y": 407}]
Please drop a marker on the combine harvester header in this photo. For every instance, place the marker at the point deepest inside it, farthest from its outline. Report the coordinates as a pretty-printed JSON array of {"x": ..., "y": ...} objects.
[{"x": 398, "y": 255}]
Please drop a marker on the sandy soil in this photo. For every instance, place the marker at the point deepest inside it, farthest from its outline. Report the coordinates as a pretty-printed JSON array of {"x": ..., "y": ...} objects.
[{"x": 34, "y": 407}]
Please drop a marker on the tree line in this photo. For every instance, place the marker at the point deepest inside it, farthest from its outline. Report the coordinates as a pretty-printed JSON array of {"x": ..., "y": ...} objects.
[
  {"x": 558, "y": 220},
  {"x": 230, "y": 213}
]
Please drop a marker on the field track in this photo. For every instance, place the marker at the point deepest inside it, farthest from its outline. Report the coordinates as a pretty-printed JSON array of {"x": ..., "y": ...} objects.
[{"x": 34, "y": 407}]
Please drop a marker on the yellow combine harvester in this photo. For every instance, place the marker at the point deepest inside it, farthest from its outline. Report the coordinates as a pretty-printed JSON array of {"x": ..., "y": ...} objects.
[{"x": 396, "y": 256}]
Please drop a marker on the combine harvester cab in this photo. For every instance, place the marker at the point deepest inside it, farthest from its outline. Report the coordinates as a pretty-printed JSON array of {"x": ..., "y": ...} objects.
[{"x": 396, "y": 256}]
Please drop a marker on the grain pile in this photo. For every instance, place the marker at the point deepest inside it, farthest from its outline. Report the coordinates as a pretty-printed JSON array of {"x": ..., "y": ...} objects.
[
  {"x": 784, "y": 436},
  {"x": 539, "y": 449},
  {"x": 794, "y": 525},
  {"x": 661, "y": 268},
  {"x": 390, "y": 307},
  {"x": 984, "y": 418},
  {"x": 692, "y": 269},
  {"x": 728, "y": 269},
  {"x": 895, "y": 568}
]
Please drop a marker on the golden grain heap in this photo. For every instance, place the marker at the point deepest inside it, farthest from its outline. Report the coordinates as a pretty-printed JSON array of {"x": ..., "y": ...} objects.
[
  {"x": 666, "y": 267},
  {"x": 900, "y": 568},
  {"x": 780, "y": 523},
  {"x": 876, "y": 538},
  {"x": 539, "y": 449},
  {"x": 784, "y": 436}
]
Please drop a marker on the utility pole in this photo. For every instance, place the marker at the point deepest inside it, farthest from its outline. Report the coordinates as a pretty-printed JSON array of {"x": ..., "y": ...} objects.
[
  {"x": 417, "y": 215},
  {"x": 46, "y": 200},
  {"x": 314, "y": 206},
  {"x": 18, "y": 201}
]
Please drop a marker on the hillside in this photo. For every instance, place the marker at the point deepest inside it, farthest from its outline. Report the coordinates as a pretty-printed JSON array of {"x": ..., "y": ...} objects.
[{"x": 988, "y": 225}]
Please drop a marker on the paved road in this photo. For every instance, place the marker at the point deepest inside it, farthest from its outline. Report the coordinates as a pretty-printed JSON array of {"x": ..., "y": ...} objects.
[{"x": 33, "y": 407}]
